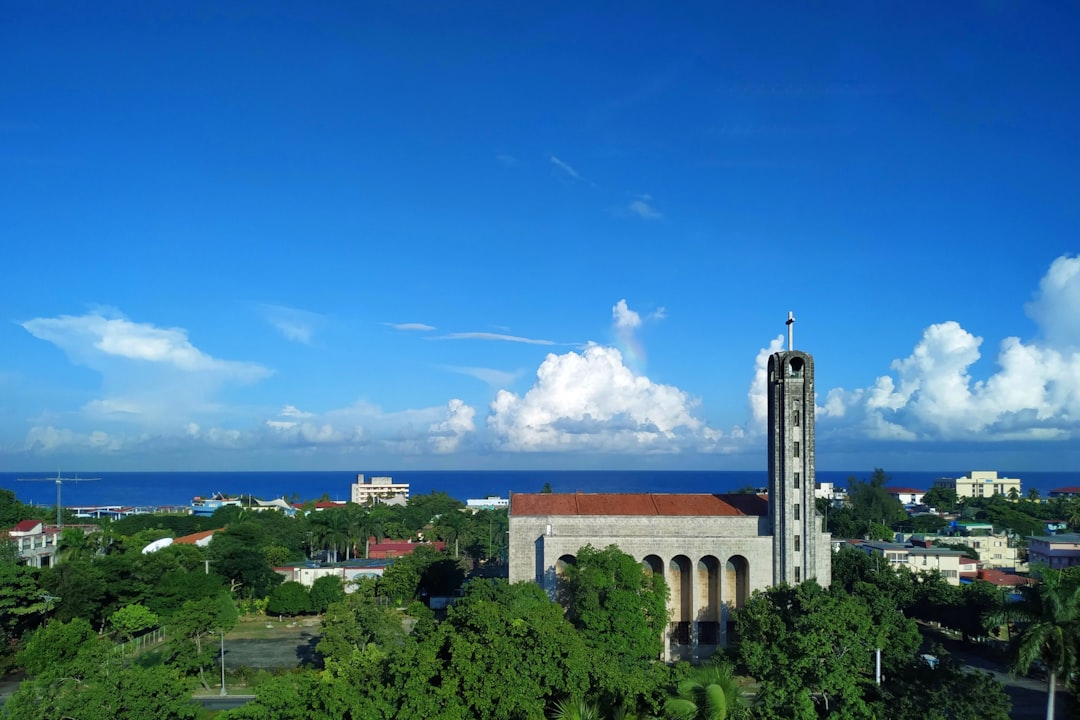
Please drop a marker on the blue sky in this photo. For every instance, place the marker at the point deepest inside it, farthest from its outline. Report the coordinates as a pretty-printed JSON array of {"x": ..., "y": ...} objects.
[{"x": 536, "y": 235}]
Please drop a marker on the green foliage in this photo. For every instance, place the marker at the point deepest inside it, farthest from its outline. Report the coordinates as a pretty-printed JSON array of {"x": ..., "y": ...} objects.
[
  {"x": 813, "y": 650},
  {"x": 63, "y": 649},
  {"x": 942, "y": 499},
  {"x": 425, "y": 570},
  {"x": 324, "y": 591},
  {"x": 504, "y": 652},
  {"x": 192, "y": 630},
  {"x": 915, "y": 691},
  {"x": 1048, "y": 618},
  {"x": 23, "y": 606},
  {"x": 132, "y": 693},
  {"x": 289, "y": 598},
  {"x": 709, "y": 692},
  {"x": 132, "y": 620},
  {"x": 621, "y": 613},
  {"x": 236, "y": 554},
  {"x": 349, "y": 626},
  {"x": 872, "y": 503}
]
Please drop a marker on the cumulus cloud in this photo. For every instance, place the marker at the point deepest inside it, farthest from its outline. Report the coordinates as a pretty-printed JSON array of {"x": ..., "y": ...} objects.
[
  {"x": 294, "y": 324},
  {"x": 758, "y": 396},
  {"x": 932, "y": 394},
  {"x": 1057, "y": 302},
  {"x": 592, "y": 401},
  {"x": 623, "y": 316},
  {"x": 447, "y": 434}
]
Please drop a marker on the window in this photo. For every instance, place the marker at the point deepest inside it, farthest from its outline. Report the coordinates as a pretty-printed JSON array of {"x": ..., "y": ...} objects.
[
  {"x": 797, "y": 543},
  {"x": 798, "y": 574},
  {"x": 796, "y": 448},
  {"x": 795, "y": 415},
  {"x": 796, "y": 509},
  {"x": 796, "y": 479}
]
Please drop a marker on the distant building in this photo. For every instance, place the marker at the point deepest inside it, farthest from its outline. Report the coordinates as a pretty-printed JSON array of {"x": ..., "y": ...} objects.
[
  {"x": 398, "y": 548},
  {"x": 980, "y": 483},
  {"x": 950, "y": 563},
  {"x": 1057, "y": 551},
  {"x": 35, "y": 542},
  {"x": 491, "y": 502},
  {"x": 368, "y": 491},
  {"x": 906, "y": 496},
  {"x": 307, "y": 573},
  {"x": 1065, "y": 492},
  {"x": 994, "y": 550}
]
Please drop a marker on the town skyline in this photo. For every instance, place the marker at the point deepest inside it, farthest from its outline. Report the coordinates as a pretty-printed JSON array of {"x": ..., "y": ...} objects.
[{"x": 526, "y": 237}]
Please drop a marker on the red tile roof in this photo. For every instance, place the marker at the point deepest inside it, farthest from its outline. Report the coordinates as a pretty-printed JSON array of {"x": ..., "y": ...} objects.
[
  {"x": 194, "y": 537},
  {"x": 732, "y": 505},
  {"x": 26, "y": 525}
]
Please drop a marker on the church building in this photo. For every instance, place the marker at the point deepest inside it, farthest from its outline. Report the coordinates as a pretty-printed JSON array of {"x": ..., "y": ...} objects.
[{"x": 712, "y": 549}]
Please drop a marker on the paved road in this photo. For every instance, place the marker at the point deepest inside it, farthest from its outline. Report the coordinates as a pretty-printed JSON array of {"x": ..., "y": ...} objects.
[
  {"x": 222, "y": 702},
  {"x": 1028, "y": 695}
]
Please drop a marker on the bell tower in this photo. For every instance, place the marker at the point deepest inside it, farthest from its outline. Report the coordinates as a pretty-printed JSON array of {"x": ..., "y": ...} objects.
[{"x": 795, "y": 524}]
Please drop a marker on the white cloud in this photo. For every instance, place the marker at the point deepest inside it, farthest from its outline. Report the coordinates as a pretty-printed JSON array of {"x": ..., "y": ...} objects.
[
  {"x": 623, "y": 316},
  {"x": 932, "y": 395},
  {"x": 506, "y": 160},
  {"x": 642, "y": 208},
  {"x": 296, "y": 325},
  {"x": 1056, "y": 305},
  {"x": 565, "y": 167},
  {"x": 89, "y": 338},
  {"x": 493, "y": 336},
  {"x": 592, "y": 401},
  {"x": 758, "y": 396},
  {"x": 411, "y": 326},
  {"x": 447, "y": 434},
  {"x": 292, "y": 411}
]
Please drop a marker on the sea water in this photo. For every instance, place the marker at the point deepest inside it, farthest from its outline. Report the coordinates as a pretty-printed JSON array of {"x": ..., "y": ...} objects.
[{"x": 178, "y": 488}]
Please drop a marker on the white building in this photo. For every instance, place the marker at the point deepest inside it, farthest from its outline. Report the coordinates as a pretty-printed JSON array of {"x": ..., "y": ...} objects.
[
  {"x": 1056, "y": 551},
  {"x": 491, "y": 502},
  {"x": 980, "y": 483},
  {"x": 949, "y": 563},
  {"x": 367, "y": 491}
]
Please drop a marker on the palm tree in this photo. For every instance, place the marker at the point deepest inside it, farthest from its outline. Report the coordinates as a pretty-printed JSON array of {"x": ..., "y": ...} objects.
[
  {"x": 575, "y": 710},
  {"x": 710, "y": 693},
  {"x": 1049, "y": 617},
  {"x": 330, "y": 529}
]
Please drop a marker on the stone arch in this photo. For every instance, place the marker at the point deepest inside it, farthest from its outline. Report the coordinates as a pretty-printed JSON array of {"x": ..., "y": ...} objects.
[
  {"x": 736, "y": 581},
  {"x": 707, "y": 602},
  {"x": 681, "y": 586},
  {"x": 561, "y": 564},
  {"x": 653, "y": 565}
]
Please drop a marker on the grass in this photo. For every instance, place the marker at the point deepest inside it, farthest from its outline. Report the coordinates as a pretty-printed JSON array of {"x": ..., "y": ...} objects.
[{"x": 265, "y": 628}]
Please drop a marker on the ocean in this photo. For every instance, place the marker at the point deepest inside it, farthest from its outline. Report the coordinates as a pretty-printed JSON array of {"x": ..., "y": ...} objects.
[{"x": 178, "y": 488}]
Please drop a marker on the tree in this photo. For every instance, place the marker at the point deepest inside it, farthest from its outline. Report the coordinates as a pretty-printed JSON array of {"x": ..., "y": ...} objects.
[
  {"x": 131, "y": 620},
  {"x": 621, "y": 613},
  {"x": 192, "y": 630},
  {"x": 289, "y": 598},
  {"x": 503, "y": 652},
  {"x": 871, "y": 502},
  {"x": 812, "y": 650},
  {"x": 353, "y": 624},
  {"x": 941, "y": 498},
  {"x": 1048, "y": 615},
  {"x": 64, "y": 649},
  {"x": 325, "y": 591},
  {"x": 709, "y": 693},
  {"x": 946, "y": 691}
]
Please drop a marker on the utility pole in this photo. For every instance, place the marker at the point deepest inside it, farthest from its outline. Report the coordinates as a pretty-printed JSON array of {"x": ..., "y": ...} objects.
[
  {"x": 223, "y": 663},
  {"x": 59, "y": 480}
]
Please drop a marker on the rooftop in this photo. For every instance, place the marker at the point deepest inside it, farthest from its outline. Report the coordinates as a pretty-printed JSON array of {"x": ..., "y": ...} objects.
[{"x": 642, "y": 504}]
